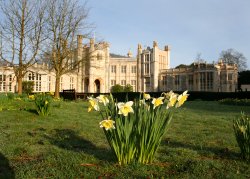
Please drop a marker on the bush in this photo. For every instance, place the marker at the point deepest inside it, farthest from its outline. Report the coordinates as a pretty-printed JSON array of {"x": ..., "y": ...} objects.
[
  {"x": 43, "y": 103},
  {"x": 242, "y": 133},
  {"x": 28, "y": 86},
  {"x": 116, "y": 88},
  {"x": 119, "y": 88},
  {"x": 128, "y": 88}
]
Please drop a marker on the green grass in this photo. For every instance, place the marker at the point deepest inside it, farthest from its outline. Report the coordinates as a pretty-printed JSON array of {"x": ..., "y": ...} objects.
[{"x": 200, "y": 143}]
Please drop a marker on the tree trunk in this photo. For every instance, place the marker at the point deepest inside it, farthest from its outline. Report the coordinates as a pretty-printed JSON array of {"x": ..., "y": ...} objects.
[
  {"x": 20, "y": 85},
  {"x": 20, "y": 68},
  {"x": 57, "y": 87}
]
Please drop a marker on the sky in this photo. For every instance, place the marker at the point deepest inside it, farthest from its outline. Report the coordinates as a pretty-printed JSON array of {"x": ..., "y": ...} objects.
[{"x": 189, "y": 27}]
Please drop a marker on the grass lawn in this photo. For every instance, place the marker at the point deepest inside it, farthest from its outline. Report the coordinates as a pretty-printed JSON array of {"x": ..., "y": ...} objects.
[{"x": 200, "y": 143}]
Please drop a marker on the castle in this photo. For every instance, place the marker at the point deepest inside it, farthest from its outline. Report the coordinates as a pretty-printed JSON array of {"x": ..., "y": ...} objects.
[{"x": 149, "y": 71}]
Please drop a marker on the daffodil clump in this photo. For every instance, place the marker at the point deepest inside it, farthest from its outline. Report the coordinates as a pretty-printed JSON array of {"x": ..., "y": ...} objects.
[
  {"x": 134, "y": 128},
  {"x": 43, "y": 103},
  {"x": 31, "y": 97},
  {"x": 242, "y": 133}
]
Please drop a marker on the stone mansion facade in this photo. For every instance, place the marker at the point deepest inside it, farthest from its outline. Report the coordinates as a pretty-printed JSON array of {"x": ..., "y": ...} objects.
[{"x": 149, "y": 71}]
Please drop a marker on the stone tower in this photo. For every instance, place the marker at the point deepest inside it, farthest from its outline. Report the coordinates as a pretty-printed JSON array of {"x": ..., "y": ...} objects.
[
  {"x": 139, "y": 72},
  {"x": 98, "y": 67},
  {"x": 150, "y": 63}
]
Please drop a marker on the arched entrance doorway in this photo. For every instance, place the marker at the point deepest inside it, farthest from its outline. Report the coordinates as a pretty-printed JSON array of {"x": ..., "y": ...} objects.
[{"x": 97, "y": 86}]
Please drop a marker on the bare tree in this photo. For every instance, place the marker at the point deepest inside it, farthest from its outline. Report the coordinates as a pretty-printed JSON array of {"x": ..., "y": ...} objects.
[
  {"x": 198, "y": 58},
  {"x": 66, "y": 18},
  {"x": 21, "y": 30},
  {"x": 232, "y": 56}
]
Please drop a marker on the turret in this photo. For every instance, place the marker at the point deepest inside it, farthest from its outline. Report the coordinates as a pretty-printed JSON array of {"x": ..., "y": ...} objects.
[
  {"x": 155, "y": 44},
  {"x": 79, "y": 41},
  {"x": 92, "y": 44},
  {"x": 168, "y": 49},
  {"x": 129, "y": 54},
  {"x": 139, "y": 52}
]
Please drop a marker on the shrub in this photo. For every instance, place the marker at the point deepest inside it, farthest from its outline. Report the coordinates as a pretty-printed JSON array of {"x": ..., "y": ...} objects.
[
  {"x": 116, "y": 88},
  {"x": 119, "y": 88},
  {"x": 242, "y": 133},
  {"x": 43, "y": 103},
  {"x": 128, "y": 88},
  {"x": 28, "y": 86}
]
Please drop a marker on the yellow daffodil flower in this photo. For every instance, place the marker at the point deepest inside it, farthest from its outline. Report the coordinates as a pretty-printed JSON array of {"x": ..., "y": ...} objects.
[
  {"x": 107, "y": 124},
  {"x": 125, "y": 108},
  {"x": 169, "y": 94},
  {"x": 172, "y": 100},
  {"x": 103, "y": 99},
  {"x": 243, "y": 129},
  {"x": 46, "y": 102},
  {"x": 181, "y": 99},
  {"x": 146, "y": 96},
  {"x": 93, "y": 104},
  {"x": 32, "y": 97},
  {"x": 157, "y": 101},
  {"x": 51, "y": 93}
]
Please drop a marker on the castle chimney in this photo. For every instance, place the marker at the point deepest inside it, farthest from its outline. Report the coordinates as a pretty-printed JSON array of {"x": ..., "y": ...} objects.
[
  {"x": 167, "y": 48},
  {"x": 155, "y": 44}
]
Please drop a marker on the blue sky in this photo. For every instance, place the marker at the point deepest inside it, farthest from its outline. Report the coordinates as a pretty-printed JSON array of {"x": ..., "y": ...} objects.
[{"x": 189, "y": 27}]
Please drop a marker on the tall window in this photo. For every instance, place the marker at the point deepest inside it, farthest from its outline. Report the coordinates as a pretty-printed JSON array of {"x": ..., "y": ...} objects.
[
  {"x": 31, "y": 76},
  {"x": 177, "y": 81},
  {"x": 147, "y": 58},
  {"x": 223, "y": 77},
  {"x": 37, "y": 79},
  {"x": 123, "y": 69},
  {"x": 71, "y": 84},
  {"x": 133, "y": 69},
  {"x": 2, "y": 82},
  {"x": 146, "y": 70},
  {"x": 133, "y": 84},
  {"x": 123, "y": 82},
  {"x": 38, "y": 82},
  {"x": 113, "y": 69},
  {"x": 230, "y": 77},
  {"x": 49, "y": 83},
  {"x": 147, "y": 84},
  {"x": 99, "y": 56},
  {"x": 210, "y": 80},
  {"x": 202, "y": 81},
  {"x": 113, "y": 82},
  {"x": 164, "y": 80},
  {"x": 10, "y": 83},
  {"x": 190, "y": 82}
]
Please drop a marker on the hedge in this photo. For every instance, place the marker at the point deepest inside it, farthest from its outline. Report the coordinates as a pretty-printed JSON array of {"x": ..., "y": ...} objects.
[{"x": 194, "y": 95}]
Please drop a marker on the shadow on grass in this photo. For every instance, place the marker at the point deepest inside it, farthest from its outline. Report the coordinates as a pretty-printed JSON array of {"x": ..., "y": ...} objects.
[
  {"x": 223, "y": 153},
  {"x": 34, "y": 111},
  {"x": 5, "y": 170},
  {"x": 213, "y": 107},
  {"x": 69, "y": 140}
]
